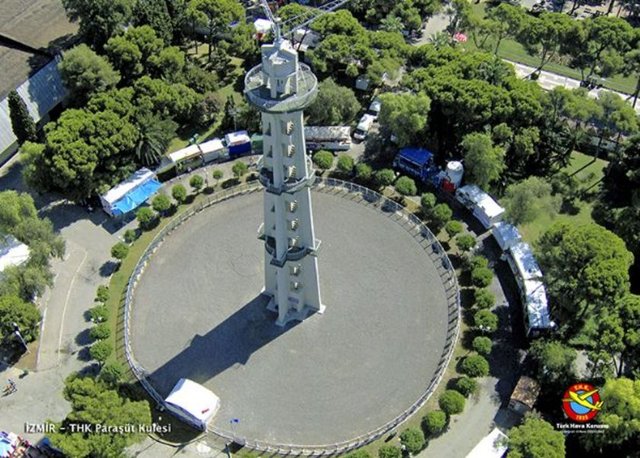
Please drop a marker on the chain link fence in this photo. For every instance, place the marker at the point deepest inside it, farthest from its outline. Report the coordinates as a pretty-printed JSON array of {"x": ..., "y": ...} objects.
[{"x": 364, "y": 196}]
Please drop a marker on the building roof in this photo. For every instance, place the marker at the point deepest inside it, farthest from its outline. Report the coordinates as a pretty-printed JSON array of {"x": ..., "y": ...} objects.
[
  {"x": 237, "y": 138},
  {"x": 195, "y": 399},
  {"x": 211, "y": 146},
  {"x": 327, "y": 132},
  {"x": 184, "y": 153},
  {"x": 43, "y": 91},
  {"x": 418, "y": 156},
  {"x": 12, "y": 252},
  {"x": 118, "y": 192},
  {"x": 526, "y": 391},
  {"x": 490, "y": 446},
  {"x": 480, "y": 200},
  {"x": 506, "y": 235},
  {"x": 525, "y": 261}
]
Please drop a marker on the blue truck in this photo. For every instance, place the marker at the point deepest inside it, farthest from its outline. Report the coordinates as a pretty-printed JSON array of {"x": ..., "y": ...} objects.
[{"x": 418, "y": 163}]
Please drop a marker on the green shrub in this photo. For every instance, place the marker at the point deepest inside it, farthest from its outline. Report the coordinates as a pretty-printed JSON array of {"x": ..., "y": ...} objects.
[
  {"x": 364, "y": 172},
  {"x": 130, "y": 235},
  {"x": 412, "y": 439},
  {"x": 385, "y": 177},
  {"x": 323, "y": 159},
  {"x": 428, "y": 202},
  {"x": 478, "y": 261},
  {"x": 345, "y": 164},
  {"x": 179, "y": 193},
  {"x": 362, "y": 453},
  {"x": 466, "y": 386},
  {"x": 465, "y": 242},
  {"x": 389, "y": 451},
  {"x": 100, "y": 331},
  {"x": 161, "y": 203},
  {"x": 434, "y": 422},
  {"x": 217, "y": 174},
  {"x": 483, "y": 298},
  {"x": 481, "y": 277},
  {"x": 406, "y": 186},
  {"x": 112, "y": 373},
  {"x": 196, "y": 182},
  {"x": 475, "y": 366},
  {"x": 440, "y": 216},
  {"x": 239, "y": 169},
  {"x": 451, "y": 402},
  {"x": 120, "y": 251},
  {"x": 100, "y": 351},
  {"x": 99, "y": 313},
  {"x": 486, "y": 321},
  {"x": 102, "y": 294},
  {"x": 482, "y": 345},
  {"x": 453, "y": 228},
  {"x": 145, "y": 217}
]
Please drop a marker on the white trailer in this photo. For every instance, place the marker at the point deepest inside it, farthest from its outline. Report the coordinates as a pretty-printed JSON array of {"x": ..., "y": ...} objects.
[
  {"x": 364, "y": 125},
  {"x": 332, "y": 138}
]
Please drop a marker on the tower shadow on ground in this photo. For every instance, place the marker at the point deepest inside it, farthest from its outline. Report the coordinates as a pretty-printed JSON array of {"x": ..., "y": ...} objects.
[{"x": 230, "y": 343}]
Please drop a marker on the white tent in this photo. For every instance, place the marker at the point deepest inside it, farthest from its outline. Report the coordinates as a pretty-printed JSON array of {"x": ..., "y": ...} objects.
[
  {"x": 212, "y": 150},
  {"x": 263, "y": 26},
  {"x": 131, "y": 193},
  {"x": 490, "y": 446},
  {"x": 484, "y": 208},
  {"x": 506, "y": 235},
  {"x": 185, "y": 153},
  {"x": 12, "y": 252},
  {"x": 193, "y": 403}
]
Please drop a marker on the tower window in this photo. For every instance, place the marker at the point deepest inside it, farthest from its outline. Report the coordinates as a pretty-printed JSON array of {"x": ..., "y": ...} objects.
[
  {"x": 295, "y": 285},
  {"x": 291, "y": 150},
  {"x": 293, "y": 206},
  {"x": 295, "y": 270},
  {"x": 293, "y": 224}
]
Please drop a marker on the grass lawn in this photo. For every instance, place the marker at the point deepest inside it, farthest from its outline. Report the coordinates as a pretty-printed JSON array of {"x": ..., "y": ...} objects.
[
  {"x": 514, "y": 51},
  {"x": 584, "y": 169}
]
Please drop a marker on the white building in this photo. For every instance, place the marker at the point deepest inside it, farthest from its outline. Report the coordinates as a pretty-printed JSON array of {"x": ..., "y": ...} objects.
[{"x": 192, "y": 403}]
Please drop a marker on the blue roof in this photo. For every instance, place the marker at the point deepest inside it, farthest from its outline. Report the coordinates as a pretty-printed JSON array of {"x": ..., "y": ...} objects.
[
  {"x": 419, "y": 156},
  {"x": 136, "y": 197}
]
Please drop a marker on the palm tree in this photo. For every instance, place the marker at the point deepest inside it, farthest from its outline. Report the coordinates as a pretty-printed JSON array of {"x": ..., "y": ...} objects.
[{"x": 155, "y": 135}]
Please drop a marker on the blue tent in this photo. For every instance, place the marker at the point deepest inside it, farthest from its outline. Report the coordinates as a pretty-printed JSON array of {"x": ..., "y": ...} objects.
[{"x": 136, "y": 197}]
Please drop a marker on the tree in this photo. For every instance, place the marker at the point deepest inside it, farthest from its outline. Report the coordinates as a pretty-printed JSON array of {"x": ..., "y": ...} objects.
[
  {"x": 102, "y": 294},
  {"x": 120, "y": 251},
  {"x": 385, "y": 177},
  {"x": 505, "y": 20},
  {"x": 197, "y": 182},
  {"x": 485, "y": 321},
  {"x": 483, "y": 161},
  {"x": 239, "y": 169},
  {"x": 451, "y": 402},
  {"x": 632, "y": 67},
  {"x": 179, "y": 193},
  {"x": 546, "y": 37},
  {"x": 482, "y": 345},
  {"x": 616, "y": 117},
  {"x": 465, "y": 242},
  {"x": 536, "y": 438},
  {"x": 139, "y": 50},
  {"x": 93, "y": 403},
  {"x": 99, "y": 313},
  {"x": 364, "y": 172},
  {"x": 389, "y": 451},
  {"x": 434, "y": 422},
  {"x": 175, "y": 101},
  {"x": 335, "y": 105},
  {"x": 84, "y": 73},
  {"x": 481, "y": 277},
  {"x": 428, "y": 202},
  {"x": 146, "y": 217},
  {"x": 475, "y": 366},
  {"x": 586, "y": 269},
  {"x": 406, "y": 186},
  {"x": 216, "y": 16},
  {"x": 483, "y": 298},
  {"x": 441, "y": 214},
  {"x": 100, "y": 351},
  {"x": 22, "y": 123},
  {"x": 323, "y": 159},
  {"x": 161, "y": 203},
  {"x": 453, "y": 228},
  {"x": 155, "y": 134},
  {"x": 412, "y": 439},
  {"x": 217, "y": 175},
  {"x": 155, "y": 14},
  {"x": 99, "y": 19},
  {"x": 13, "y": 309},
  {"x": 621, "y": 411},
  {"x": 525, "y": 200},
  {"x": 100, "y": 331},
  {"x": 478, "y": 262},
  {"x": 345, "y": 164},
  {"x": 404, "y": 115},
  {"x": 392, "y": 24},
  {"x": 466, "y": 386}
]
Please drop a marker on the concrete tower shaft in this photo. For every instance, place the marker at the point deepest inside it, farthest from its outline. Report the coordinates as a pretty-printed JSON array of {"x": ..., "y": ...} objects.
[{"x": 281, "y": 88}]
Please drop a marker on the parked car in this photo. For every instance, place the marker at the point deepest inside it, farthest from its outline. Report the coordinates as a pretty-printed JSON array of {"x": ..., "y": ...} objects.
[{"x": 362, "y": 130}]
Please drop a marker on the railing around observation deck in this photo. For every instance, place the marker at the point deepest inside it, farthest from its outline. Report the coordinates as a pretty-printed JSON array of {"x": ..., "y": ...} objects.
[
  {"x": 258, "y": 94},
  {"x": 362, "y": 195}
]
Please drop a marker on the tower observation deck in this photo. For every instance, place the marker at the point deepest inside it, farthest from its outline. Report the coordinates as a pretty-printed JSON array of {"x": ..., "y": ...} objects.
[{"x": 281, "y": 88}]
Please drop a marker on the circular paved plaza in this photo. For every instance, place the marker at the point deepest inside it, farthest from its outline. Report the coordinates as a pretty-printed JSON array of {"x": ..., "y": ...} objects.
[{"x": 198, "y": 314}]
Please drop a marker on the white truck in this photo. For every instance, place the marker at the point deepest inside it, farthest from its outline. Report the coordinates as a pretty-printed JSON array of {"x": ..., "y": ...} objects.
[
  {"x": 331, "y": 138},
  {"x": 364, "y": 125}
]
